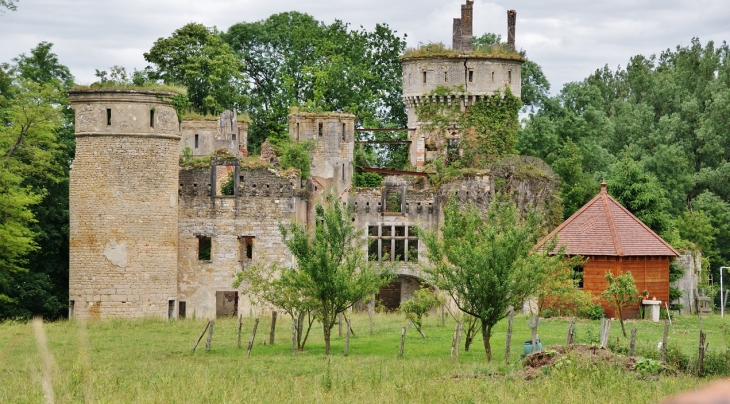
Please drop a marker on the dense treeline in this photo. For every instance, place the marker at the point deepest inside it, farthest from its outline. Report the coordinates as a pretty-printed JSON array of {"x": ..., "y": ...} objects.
[{"x": 658, "y": 132}]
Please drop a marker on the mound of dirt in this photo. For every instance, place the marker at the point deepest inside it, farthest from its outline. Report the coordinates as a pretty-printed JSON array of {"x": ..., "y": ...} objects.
[{"x": 535, "y": 361}]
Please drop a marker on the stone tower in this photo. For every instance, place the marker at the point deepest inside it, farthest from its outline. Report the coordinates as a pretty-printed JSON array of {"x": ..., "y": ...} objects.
[
  {"x": 124, "y": 204},
  {"x": 475, "y": 74}
]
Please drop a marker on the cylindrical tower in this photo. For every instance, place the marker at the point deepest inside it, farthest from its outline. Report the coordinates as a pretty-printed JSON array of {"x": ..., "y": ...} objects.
[
  {"x": 460, "y": 75},
  {"x": 123, "y": 204}
]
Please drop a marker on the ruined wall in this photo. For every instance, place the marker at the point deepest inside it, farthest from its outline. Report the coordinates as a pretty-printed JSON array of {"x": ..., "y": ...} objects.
[
  {"x": 691, "y": 261},
  {"x": 222, "y": 132},
  {"x": 263, "y": 200},
  {"x": 123, "y": 204}
]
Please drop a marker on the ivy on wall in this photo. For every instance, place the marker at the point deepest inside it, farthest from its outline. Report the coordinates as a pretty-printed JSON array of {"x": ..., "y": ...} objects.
[{"x": 487, "y": 129}]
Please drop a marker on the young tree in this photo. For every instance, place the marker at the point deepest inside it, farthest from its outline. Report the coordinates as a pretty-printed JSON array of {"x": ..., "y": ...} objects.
[
  {"x": 280, "y": 288},
  {"x": 620, "y": 293},
  {"x": 331, "y": 264},
  {"x": 485, "y": 262},
  {"x": 418, "y": 305}
]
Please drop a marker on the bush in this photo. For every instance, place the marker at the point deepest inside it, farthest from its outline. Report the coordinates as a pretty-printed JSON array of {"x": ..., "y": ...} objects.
[
  {"x": 296, "y": 155},
  {"x": 595, "y": 312},
  {"x": 227, "y": 187},
  {"x": 367, "y": 180}
]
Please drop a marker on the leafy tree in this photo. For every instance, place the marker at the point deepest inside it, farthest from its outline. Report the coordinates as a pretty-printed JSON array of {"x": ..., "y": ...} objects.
[
  {"x": 485, "y": 263},
  {"x": 331, "y": 264},
  {"x": 196, "y": 57},
  {"x": 291, "y": 59},
  {"x": 8, "y": 4},
  {"x": 295, "y": 155},
  {"x": 422, "y": 301},
  {"x": 620, "y": 293},
  {"x": 280, "y": 287}
]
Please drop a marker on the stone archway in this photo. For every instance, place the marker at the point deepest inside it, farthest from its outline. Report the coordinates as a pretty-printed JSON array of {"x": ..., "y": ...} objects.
[{"x": 400, "y": 290}]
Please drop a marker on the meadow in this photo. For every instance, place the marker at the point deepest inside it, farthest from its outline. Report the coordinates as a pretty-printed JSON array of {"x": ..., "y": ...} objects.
[{"x": 150, "y": 361}]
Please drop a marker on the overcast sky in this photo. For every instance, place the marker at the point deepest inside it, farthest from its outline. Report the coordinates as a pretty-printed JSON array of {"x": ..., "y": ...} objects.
[{"x": 568, "y": 38}]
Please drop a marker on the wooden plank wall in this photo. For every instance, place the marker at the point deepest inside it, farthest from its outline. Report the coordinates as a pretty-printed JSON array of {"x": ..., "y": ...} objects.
[{"x": 650, "y": 273}]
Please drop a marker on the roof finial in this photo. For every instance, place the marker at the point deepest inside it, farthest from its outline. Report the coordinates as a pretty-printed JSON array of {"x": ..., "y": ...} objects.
[{"x": 603, "y": 186}]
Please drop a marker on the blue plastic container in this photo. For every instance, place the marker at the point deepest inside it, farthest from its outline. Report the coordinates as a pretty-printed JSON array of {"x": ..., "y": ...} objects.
[{"x": 528, "y": 346}]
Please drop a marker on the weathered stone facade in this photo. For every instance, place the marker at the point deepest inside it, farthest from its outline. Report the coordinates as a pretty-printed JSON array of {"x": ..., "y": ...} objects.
[
  {"x": 150, "y": 238},
  {"x": 123, "y": 204}
]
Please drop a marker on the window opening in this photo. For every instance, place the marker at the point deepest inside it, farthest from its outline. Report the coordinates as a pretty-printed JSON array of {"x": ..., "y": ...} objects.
[
  {"x": 321, "y": 128},
  {"x": 297, "y": 131},
  {"x": 204, "y": 246},
  {"x": 197, "y": 139},
  {"x": 492, "y": 77},
  {"x": 578, "y": 276},
  {"x": 108, "y": 116},
  {"x": 71, "y": 308},
  {"x": 233, "y": 136},
  {"x": 170, "y": 309},
  {"x": 471, "y": 76},
  {"x": 181, "y": 310},
  {"x": 446, "y": 77},
  {"x": 245, "y": 244},
  {"x": 392, "y": 243},
  {"x": 509, "y": 76},
  {"x": 344, "y": 127},
  {"x": 424, "y": 77},
  {"x": 343, "y": 172}
]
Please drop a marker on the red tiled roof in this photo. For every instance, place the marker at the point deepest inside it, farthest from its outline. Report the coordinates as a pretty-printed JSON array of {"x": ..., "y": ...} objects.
[{"x": 604, "y": 227}]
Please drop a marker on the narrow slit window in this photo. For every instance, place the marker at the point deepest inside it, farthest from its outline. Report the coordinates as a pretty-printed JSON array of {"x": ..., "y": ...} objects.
[
  {"x": 424, "y": 77},
  {"x": 152, "y": 118},
  {"x": 492, "y": 77},
  {"x": 344, "y": 129},
  {"x": 509, "y": 76},
  {"x": 446, "y": 77},
  {"x": 343, "y": 172},
  {"x": 245, "y": 244},
  {"x": 320, "y": 128},
  {"x": 297, "y": 131},
  {"x": 471, "y": 76},
  {"x": 108, "y": 116},
  {"x": 204, "y": 246},
  {"x": 233, "y": 136},
  {"x": 197, "y": 140}
]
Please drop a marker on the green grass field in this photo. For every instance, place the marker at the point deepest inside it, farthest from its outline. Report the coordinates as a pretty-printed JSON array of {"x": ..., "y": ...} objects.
[{"x": 149, "y": 361}]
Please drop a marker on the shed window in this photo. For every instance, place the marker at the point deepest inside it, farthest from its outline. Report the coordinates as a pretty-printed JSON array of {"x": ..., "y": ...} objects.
[
  {"x": 578, "y": 276},
  {"x": 204, "y": 246}
]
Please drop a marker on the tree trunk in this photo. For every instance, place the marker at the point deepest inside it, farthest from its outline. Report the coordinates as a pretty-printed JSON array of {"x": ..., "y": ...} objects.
[
  {"x": 327, "y": 333},
  {"x": 486, "y": 334},
  {"x": 621, "y": 320}
]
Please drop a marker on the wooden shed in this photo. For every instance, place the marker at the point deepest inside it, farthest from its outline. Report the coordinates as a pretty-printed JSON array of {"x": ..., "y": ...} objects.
[{"x": 614, "y": 240}]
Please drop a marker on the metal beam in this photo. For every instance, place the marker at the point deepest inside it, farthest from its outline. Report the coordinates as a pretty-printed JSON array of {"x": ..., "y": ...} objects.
[
  {"x": 389, "y": 171},
  {"x": 383, "y": 142},
  {"x": 385, "y": 130}
]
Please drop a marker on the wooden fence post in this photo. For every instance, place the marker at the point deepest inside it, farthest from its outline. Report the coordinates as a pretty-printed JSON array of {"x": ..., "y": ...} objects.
[
  {"x": 293, "y": 336},
  {"x": 454, "y": 353},
  {"x": 508, "y": 341},
  {"x": 664, "y": 340},
  {"x": 273, "y": 327},
  {"x": 534, "y": 321},
  {"x": 339, "y": 322},
  {"x": 605, "y": 332},
  {"x": 402, "y": 341},
  {"x": 571, "y": 332},
  {"x": 347, "y": 337},
  {"x": 240, "y": 324},
  {"x": 210, "y": 336},
  {"x": 632, "y": 345},
  {"x": 371, "y": 311},
  {"x": 253, "y": 337},
  {"x": 459, "y": 330},
  {"x": 195, "y": 345},
  {"x": 701, "y": 356}
]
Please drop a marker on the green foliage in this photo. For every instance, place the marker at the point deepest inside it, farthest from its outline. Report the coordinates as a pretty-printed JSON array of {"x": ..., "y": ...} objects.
[
  {"x": 227, "y": 188},
  {"x": 620, "y": 293},
  {"x": 647, "y": 367},
  {"x": 485, "y": 263},
  {"x": 422, "y": 301},
  {"x": 295, "y": 155},
  {"x": 436, "y": 49},
  {"x": 367, "y": 180},
  {"x": 489, "y": 127},
  {"x": 331, "y": 264},
  {"x": 595, "y": 312},
  {"x": 189, "y": 161},
  {"x": 196, "y": 57},
  {"x": 294, "y": 60}
]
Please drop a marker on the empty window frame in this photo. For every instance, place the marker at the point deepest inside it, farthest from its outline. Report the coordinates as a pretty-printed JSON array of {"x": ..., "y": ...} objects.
[
  {"x": 471, "y": 76},
  {"x": 170, "y": 309},
  {"x": 320, "y": 128},
  {"x": 197, "y": 140},
  {"x": 108, "y": 116},
  {"x": 204, "y": 246},
  {"x": 387, "y": 242},
  {"x": 181, "y": 309},
  {"x": 245, "y": 248},
  {"x": 152, "y": 118},
  {"x": 344, "y": 132},
  {"x": 233, "y": 136}
]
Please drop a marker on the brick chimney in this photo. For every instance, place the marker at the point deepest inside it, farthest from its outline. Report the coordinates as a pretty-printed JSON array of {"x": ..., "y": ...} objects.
[
  {"x": 456, "y": 42},
  {"x": 511, "y": 21},
  {"x": 467, "y": 16}
]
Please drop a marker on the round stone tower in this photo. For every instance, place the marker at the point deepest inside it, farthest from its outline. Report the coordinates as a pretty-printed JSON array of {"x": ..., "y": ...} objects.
[
  {"x": 459, "y": 75},
  {"x": 123, "y": 204}
]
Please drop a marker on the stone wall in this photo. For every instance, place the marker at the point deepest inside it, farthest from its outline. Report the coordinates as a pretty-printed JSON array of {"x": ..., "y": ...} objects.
[
  {"x": 691, "y": 261},
  {"x": 222, "y": 132},
  {"x": 263, "y": 201},
  {"x": 123, "y": 205}
]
